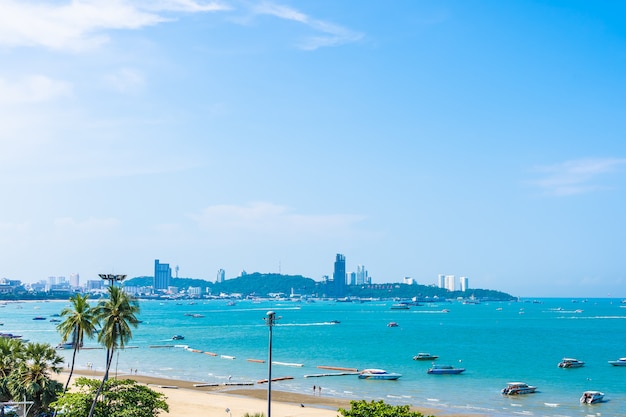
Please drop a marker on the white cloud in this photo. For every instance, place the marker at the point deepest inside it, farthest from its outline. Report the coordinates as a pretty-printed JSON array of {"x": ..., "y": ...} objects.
[
  {"x": 32, "y": 89},
  {"x": 333, "y": 35},
  {"x": 270, "y": 221},
  {"x": 576, "y": 176},
  {"x": 75, "y": 25},
  {"x": 88, "y": 226},
  {"x": 126, "y": 80}
]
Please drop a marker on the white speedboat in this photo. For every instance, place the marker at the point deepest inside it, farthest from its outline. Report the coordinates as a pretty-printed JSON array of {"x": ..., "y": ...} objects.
[
  {"x": 378, "y": 374},
  {"x": 571, "y": 363},
  {"x": 619, "y": 362},
  {"x": 591, "y": 397},
  {"x": 422, "y": 356},
  {"x": 518, "y": 388},
  {"x": 444, "y": 370}
]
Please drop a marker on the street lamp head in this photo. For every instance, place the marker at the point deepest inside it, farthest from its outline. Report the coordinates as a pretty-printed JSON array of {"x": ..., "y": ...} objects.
[{"x": 270, "y": 313}]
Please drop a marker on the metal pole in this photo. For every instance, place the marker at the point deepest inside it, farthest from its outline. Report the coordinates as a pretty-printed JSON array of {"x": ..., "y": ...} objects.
[{"x": 270, "y": 323}]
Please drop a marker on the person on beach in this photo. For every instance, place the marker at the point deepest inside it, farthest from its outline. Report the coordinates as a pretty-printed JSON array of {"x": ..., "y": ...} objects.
[
  {"x": 319, "y": 390},
  {"x": 314, "y": 390}
]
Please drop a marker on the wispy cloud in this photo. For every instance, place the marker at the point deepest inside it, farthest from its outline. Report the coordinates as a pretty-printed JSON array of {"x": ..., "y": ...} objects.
[
  {"x": 270, "y": 221},
  {"x": 331, "y": 34},
  {"x": 576, "y": 176},
  {"x": 32, "y": 89},
  {"x": 80, "y": 25}
]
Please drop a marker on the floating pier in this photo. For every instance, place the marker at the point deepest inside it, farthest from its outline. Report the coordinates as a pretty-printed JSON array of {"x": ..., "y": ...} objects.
[
  {"x": 338, "y": 368},
  {"x": 334, "y": 374},
  {"x": 282, "y": 378},
  {"x": 298, "y": 365}
]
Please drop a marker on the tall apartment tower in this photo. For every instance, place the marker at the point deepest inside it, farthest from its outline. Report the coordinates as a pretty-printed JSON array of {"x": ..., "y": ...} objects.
[
  {"x": 162, "y": 276},
  {"x": 361, "y": 275},
  {"x": 441, "y": 281},
  {"x": 74, "y": 280},
  {"x": 464, "y": 281},
  {"x": 449, "y": 282},
  {"x": 221, "y": 274},
  {"x": 339, "y": 276}
]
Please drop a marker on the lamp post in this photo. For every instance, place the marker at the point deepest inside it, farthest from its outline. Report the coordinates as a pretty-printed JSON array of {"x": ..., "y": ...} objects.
[
  {"x": 112, "y": 278},
  {"x": 270, "y": 320}
]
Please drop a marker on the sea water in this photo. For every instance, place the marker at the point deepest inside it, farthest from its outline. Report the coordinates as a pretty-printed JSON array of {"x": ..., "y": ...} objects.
[{"x": 496, "y": 342}]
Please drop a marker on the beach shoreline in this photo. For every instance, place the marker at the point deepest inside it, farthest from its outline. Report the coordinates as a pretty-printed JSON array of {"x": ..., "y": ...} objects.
[{"x": 197, "y": 399}]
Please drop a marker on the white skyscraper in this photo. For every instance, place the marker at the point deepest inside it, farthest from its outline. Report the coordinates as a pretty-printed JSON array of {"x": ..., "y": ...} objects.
[
  {"x": 441, "y": 282},
  {"x": 464, "y": 281},
  {"x": 74, "y": 280},
  {"x": 220, "y": 275},
  {"x": 449, "y": 282}
]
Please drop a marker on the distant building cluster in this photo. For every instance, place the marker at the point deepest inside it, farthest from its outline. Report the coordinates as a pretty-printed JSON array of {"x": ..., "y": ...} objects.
[
  {"x": 337, "y": 286},
  {"x": 448, "y": 282}
]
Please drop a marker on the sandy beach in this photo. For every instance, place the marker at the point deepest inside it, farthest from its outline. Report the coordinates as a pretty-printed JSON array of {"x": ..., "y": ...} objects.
[{"x": 186, "y": 399}]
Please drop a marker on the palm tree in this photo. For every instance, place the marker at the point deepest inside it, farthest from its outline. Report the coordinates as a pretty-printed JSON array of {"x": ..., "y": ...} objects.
[
  {"x": 31, "y": 378},
  {"x": 79, "y": 322},
  {"x": 116, "y": 315},
  {"x": 11, "y": 354}
]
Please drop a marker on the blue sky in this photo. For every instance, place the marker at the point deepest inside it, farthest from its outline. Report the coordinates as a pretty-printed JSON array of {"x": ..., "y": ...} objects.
[{"x": 474, "y": 138}]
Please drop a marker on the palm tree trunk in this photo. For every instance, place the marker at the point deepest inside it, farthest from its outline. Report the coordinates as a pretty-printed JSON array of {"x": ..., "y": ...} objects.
[
  {"x": 67, "y": 384},
  {"x": 104, "y": 379}
]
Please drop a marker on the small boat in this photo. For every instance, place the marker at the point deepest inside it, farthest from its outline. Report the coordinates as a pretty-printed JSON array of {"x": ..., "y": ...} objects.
[
  {"x": 335, "y": 322},
  {"x": 571, "y": 363},
  {"x": 591, "y": 397},
  {"x": 178, "y": 337},
  {"x": 68, "y": 345},
  {"x": 518, "y": 388},
  {"x": 444, "y": 369},
  {"x": 619, "y": 362},
  {"x": 55, "y": 321},
  {"x": 400, "y": 306},
  {"x": 422, "y": 356},
  {"x": 39, "y": 318},
  {"x": 378, "y": 374},
  {"x": 392, "y": 324}
]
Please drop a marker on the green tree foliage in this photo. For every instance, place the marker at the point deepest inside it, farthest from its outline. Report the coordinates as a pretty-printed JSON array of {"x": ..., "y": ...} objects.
[
  {"x": 11, "y": 354},
  {"x": 30, "y": 377},
  {"x": 79, "y": 321},
  {"x": 363, "y": 408},
  {"x": 116, "y": 315},
  {"x": 122, "y": 398}
]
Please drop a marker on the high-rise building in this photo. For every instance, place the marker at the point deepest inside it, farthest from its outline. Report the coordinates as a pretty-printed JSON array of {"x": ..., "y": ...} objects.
[
  {"x": 441, "y": 281},
  {"x": 162, "y": 276},
  {"x": 449, "y": 282},
  {"x": 221, "y": 274},
  {"x": 464, "y": 281},
  {"x": 339, "y": 276},
  {"x": 74, "y": 280},
  {"x": 361, "y": 275}
]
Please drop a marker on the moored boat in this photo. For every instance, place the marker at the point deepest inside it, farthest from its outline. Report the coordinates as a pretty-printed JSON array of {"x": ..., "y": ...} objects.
[
  {"x": 178, "y": 337},
  {"x": 518, "y": 388},
  {"x": 392, "y": 324},
  {"x": 423, "y": 356},
  {"x": 444, "y": 369},
  {"x": 591, "y": 397},
  {"x": 571, "y": 363},
  {"x": 619, "y": 362},
  {"x": 378, "y": 374}
]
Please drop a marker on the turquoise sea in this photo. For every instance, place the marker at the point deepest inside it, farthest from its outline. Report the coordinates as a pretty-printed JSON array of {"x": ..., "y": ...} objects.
[{"x": 496, "y": 343}]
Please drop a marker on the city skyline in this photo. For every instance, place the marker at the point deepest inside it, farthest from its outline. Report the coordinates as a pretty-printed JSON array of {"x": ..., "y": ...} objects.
[{"x": 480, "y": 139}]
